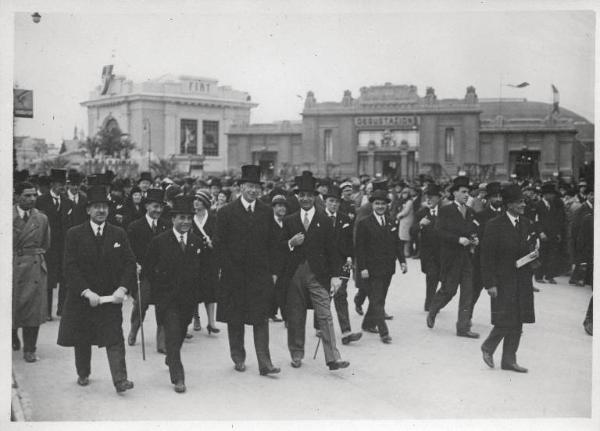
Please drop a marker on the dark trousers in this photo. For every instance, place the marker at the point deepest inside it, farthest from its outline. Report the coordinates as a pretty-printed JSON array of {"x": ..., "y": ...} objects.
[
  {"x": 175, "y": 321},
  {"x": 511, "y": 337},
  {"x": 589, "y": 315},
  {"x": 340, "y": 300},
  {"x": 477, "y": 282},
  {"x": 116, "y": 361},
  {"x": 362, "y": 286},
  {"x": 30, "y": 336},
  {"x": 236, "y": 333},
  {"x": 432, "y": 279},
  {"x": 135, "y": 313},
  {"x": 460, "y": 274},
  {"x": 549, "y": 251},
  {"x": 277, "y": 303},
  {"x": 375, "y": 316},
  {"x": 304, "y": 285},
  {"x": 52, "y": 282}
]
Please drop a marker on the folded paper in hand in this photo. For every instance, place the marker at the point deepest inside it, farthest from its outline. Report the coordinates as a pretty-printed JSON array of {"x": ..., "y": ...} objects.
[
  {"x": 528, "y": 258},
  {"x": 107, "y": 299}
]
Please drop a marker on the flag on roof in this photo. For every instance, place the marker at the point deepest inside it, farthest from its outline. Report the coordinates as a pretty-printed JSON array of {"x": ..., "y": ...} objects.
[
  {"x": 521, "y": 85},
  {"x": 555, "y": 99}
]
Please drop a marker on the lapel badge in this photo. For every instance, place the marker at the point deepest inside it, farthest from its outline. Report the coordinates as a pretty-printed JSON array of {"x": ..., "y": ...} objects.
[
  {"x": 70, "y": 211},
  {"x": 318, "y": 225},
  {"x": 116, "y": 245}
]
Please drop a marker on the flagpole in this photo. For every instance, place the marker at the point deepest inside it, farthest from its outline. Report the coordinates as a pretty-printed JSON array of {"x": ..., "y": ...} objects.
[{"x": 500, "y": 98}]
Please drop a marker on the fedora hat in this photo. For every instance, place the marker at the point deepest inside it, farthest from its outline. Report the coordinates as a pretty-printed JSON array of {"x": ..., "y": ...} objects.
[
  {"x": 306, "y": 182},
  {"x": 493, "y": 188},
  {"x": 182, "y": 204},
  {"x": 379, "y": 195},
  {"x": 460, "y": 181},
  {"x": 511, "y": 193},
  {"x": 96, "y": 194},
  {"x": 250, "y": 174}
]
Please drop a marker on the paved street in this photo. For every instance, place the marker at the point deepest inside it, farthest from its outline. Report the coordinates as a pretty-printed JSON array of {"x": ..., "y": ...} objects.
[{"x": 423, "y": 374}]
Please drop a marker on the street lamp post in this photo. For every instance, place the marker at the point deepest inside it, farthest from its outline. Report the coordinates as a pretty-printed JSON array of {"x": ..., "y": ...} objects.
[{"x": 147, "y": 126}]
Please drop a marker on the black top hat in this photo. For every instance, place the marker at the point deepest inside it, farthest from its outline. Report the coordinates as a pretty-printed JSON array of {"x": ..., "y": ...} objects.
[
  {"x": 19, "y": 176},
  {"x": 548, "y": 188},
  {"x": 379, "y": 195},
  {"x": 333, "y": 192},
  {"x": 75, "y": 177},
  {"x": 493, "y": 188},
  {"x": 155, "y": 195},
  {"x": 380, "y": 185},
  {"x": 460, "y": 181},
  {"x": 250, "y": 174},
  {"x": 145, "y": 176},
  {"x": 97, "y": 180},
  {"x": 182, "y": 204},
  {"x": 306, "y": 182},
  {"x": 109, "y": 175},
  {"x": 511, "y": 193},
  {"x": 96, "y": 194},
  {"x": 433, "y": 190},
  {"x": 324, "y": 182},
  {"x": 58, "y": 175},
  {"x": 44, "y": 180}
]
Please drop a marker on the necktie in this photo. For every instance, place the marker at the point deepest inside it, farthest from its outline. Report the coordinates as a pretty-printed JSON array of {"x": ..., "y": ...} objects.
[
  {"x": 382, "y": 221},
  {"x": 306, "y": 222},
  {"x": 332, "y": 219},
  {"x": 153, "y": 226},
  {"x": 182, "y": 243},
  {"x": 99, "y": 233},
  {"x": 517, "y": 225},
  {"x": 56, "y": 203},
  {"x": 26, "y": 216},
  {"x": 463, "y": 210}
]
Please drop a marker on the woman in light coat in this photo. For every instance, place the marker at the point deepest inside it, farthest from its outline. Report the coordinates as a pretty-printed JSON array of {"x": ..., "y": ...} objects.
[{"x": 405, "y": 219}]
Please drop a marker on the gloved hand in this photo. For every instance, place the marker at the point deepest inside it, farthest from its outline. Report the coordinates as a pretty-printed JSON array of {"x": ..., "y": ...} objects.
[
  {"x": 120, "y": 294},
  {"x": 92, "y": 297},
  {"x": 493, "y": 292}
]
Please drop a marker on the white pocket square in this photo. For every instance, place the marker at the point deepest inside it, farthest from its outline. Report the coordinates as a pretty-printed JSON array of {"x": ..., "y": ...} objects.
[
  {"x": 198, "y": 251},
  {"x": 476, "y": 222},
  {"x": 394, "y": 228},
  {"x": 116, "y": 245},
  {"x": 345, "y": 225},
  {"x": 70, "y": 211}
]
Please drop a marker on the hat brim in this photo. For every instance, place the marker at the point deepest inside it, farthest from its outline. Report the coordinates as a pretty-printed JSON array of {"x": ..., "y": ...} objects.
[
  {"x": 250, "y": 180},
  {"x": 314, "y": 192},
  {"x": 379, "y": 198}
]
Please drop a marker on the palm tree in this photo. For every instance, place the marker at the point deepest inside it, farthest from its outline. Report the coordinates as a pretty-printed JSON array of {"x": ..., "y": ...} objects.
[
  {"x": 58, "y": 162},
  {"x": 164, "y": 167}
]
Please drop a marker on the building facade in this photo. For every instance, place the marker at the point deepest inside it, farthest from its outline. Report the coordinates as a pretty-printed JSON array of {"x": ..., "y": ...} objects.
[{"x": 184, "y": 118}]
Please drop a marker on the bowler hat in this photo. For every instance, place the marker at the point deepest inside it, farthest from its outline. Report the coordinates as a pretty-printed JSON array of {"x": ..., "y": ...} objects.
[
  {"x": 333, "y": 192},
  {"x": 204, "y": 198},
  {"x": 155, "y": 195},
  {"x": 306, "y": 182},
  {"x": 548, "y": 188},
  {"x": 145, "y": 176},
  {"x": 460, "y": 181},
  {"x": 380, "y": 185},
  {"x": 433, "y": 190},
  {"x": 511, "y": 193},
  {"x": 379, "y": 195},
  {"x": 492, "y": 189},
  {"x": 58, "y": 175},
  {"x": 96, "y": 194},
  {"x": 182, "y": 204},
  {"x": 250, "y": 174}
]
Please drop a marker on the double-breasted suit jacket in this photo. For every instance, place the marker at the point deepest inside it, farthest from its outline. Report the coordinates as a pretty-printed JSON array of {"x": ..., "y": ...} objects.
[
  {"x": 174, "y": 274},
  {"x": 31, "y": 239},
  {"x": 501, "y": 247},
  {"x": 101, "y": 266},
  {"x": 243, "y": 246},
  {"x": 377, "y": 247},
  {"x": 451, "y": 225}
]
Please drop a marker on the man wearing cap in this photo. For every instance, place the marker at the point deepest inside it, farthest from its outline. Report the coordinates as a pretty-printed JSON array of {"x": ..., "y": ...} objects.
[
  {"x": 279, "y": 205},
  {"x": 99, "y": 273},
  {"x": 377, "y": 248},
  {"x": 426, "y": 220},
  {"x": 458, "y": 237},
  {"x": 312, "y": 273},
  {"x": 140, "y": 233},
  {"x": 506, "y": 240},
  {"x": 247, "y": 279},
  {"x": 551, "y": 224},
  {"x": 56, "y": 206},
  {"x": 172, "y": 265},
  {"x": 31, "y": 239},
  {"x": 493, "y": 208},
  {"x": 347, "y": 204}
]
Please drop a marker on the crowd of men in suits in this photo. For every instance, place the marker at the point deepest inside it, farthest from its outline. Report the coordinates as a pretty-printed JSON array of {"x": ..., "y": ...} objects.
[{"x": 249, "y": 250}]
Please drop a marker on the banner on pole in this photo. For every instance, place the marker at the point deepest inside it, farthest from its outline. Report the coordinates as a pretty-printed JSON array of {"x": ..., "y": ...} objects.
[{"x": 23, "y": 103}]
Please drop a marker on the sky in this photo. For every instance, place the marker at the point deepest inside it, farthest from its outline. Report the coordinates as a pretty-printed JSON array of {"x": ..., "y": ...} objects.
[{"x": 278, "y": 56}]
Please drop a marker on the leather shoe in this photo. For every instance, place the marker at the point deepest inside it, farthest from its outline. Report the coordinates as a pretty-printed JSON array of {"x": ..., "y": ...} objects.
[
  {"x": 355, "y": 336},
  {"x": 371, "y": 329},
  {"x": 467, "y": 334},
  {"x": 131, "y": 339},
  {"x": 514, "y": 367},
  {"x": 336, "y": 365},
  {"x": 276, "y": 318},
  {"x": 535, "y": 289},
  {"x": 386, "y": 339},
  {"x": 551, "y": 280},
  {"x": 488, "y": 358},
  {"x": 197, "y": 325},
  {"x": 240, "y": 366},
  {"x": 359, "y": 309},
  {"x": 83, "y": 381},
  {"x": 16, "y": 343},
  {"x": 540, "y": 280},
  {"x": 29, "y": 357},
  {"x": 272, "y": 370},
  {"x": 588, "y": 325},
  {"x": 163, "y": 351},
  {"x": 180, "y": 387},
  {"x": 430, "y": 320},
  {"x": 188, "y": 335},
  {"x": 296, "y": 363},
  {"x": 388, "y": 317},
  {"x": 123, "y": 386}
]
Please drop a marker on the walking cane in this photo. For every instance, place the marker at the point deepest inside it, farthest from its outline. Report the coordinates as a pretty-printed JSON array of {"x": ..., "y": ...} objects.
[{"x": 139, "y": 301}]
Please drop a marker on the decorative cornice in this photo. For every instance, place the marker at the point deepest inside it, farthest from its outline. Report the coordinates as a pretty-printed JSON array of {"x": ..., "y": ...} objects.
[{"x": 168, "y": 98}]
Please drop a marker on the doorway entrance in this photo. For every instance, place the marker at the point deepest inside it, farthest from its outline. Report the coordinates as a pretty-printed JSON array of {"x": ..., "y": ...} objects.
[
  {"x": 525, "y": 164},
  {"x": 266, "y": 160}
]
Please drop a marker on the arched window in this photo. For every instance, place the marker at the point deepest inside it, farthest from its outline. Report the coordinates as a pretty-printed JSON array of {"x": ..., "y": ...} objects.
[{"x": 449, "y": 144}]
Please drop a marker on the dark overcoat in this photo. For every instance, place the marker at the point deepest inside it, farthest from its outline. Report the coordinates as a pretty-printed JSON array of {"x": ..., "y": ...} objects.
[
  {"x": 77, "y": 214},
  {"x": 378, "y": 247},
  {"x": 451, "y": 225},
  {"x": 429, "y": 248},
  {"x": 501, "y": 247},
  {"x": 174, "y": 275},
  {"x": 101, "y": 267},
  {"x": 209, "y": 277},
  {"x": 243, "y": 248}
]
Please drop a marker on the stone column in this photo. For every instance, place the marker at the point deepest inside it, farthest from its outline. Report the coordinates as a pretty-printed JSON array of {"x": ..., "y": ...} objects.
[
  {"x": 404, "y": 164},
  {"x": 371, "y": 163}
]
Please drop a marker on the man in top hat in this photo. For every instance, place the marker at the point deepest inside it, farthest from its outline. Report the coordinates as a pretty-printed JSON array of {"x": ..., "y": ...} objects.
[
  {"x": 426, "y": 220},
  {"x": 244, "y": 242},
  {"x": 78, "y": 213},
  {"x": 312, "y": 273},
  {"x": 31, "y": 239},
  {"x": 145, "y": 182},
  {"x": 458, "y": 237},
  {"x": 551, "y": 225},
  {"x": 172, "y": 265},
  {"x": 493, "y": 208},
  {"x": 57, "y": 207},
  {"x": 140, "y": 233},
  {"x": 279, "y": 205},
  {"x": 377, "y": 248},
  {"x": 99, "y": 273},
  {"x": 507, "y": 239}
]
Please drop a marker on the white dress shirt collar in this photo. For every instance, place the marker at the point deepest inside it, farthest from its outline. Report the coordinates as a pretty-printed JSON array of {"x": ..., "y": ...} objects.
[
  {"x": 279, "y": 222},
  {"x": 22, "y": 212},
  {"x": 150, "y": 220},
  {"x": 247, "y": 204},
  {"x": 96, "y": 226},
  {"x": 330, "y": 214},
  {"x": 73, "y": 197},
  {"x": 310, "y": 213},
  {"x": 512, "y": 219},
  {"x": 380, "y": 218},
  {"x": 179, "y": 234}
]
